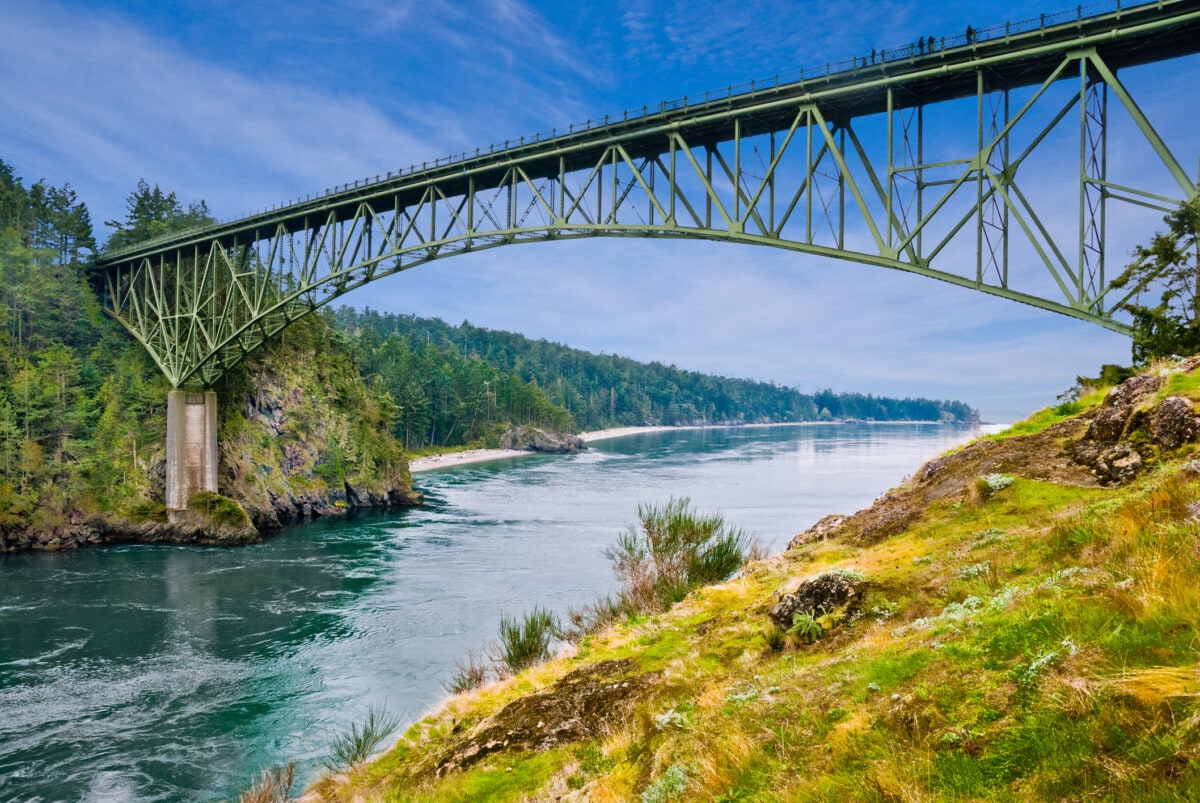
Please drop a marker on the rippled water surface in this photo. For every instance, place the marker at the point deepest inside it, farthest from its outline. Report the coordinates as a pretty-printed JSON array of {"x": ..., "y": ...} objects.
[{"x": 174, "y": 673}]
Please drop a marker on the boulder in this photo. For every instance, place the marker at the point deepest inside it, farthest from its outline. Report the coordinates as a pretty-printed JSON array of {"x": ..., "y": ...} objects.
[
  {"x": 821, "y": 594},
  {"x": 531, "y": 439},
  {"x": 1111, "y": 419},
  {"x": 1173, "y": 423},
  {"x": 825, "y": 528}
]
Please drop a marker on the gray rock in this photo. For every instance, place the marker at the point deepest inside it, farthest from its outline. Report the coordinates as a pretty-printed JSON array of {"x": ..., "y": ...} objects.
[
  {"x": 1173, "y": 423},
  {"x": 817, "y": 595}
]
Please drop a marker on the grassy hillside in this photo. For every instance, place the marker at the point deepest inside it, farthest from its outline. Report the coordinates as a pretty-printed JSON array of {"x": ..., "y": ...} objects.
[{"x": 1018, "y": 621}]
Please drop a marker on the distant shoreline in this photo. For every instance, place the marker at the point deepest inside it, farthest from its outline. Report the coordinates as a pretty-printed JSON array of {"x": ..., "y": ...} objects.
[{"x": 472, "y": 456}]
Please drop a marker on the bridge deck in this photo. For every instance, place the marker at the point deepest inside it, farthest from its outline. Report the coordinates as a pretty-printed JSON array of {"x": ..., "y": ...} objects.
[{"x": 1123, "y": 38}]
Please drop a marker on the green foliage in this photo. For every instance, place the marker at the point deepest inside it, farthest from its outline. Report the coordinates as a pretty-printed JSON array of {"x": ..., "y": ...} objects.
[
  {"x": 430, "y": 368},
  {"x": 526, "y": 641},
  {"x": 806, "y": 627},
  {"x": 672, "y": 551},
  {"x": 147, "y": 510},
  {"x": 219, "y": 509},
  {"x": 14, "y": 509},
  {"x": 1169, "y": 266},
  {"x": 668, "y": 786},
  {"x": 357, "y": 744},
  {"x": 152, "y": 213}
]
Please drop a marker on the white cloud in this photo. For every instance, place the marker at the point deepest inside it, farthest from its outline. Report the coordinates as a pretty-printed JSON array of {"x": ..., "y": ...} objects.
[{"x": 126, "y": 106}]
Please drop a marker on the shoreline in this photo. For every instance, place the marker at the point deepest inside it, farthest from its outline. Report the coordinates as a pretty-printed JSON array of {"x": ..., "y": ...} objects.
[{"x": 472, "y": 456}]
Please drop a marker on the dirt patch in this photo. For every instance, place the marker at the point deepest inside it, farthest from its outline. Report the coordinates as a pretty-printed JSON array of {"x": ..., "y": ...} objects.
[
  {"x": 583, "y": 705},
  {"x": 1105, "y": 447},
  {"x": 1046, "y": 456}
]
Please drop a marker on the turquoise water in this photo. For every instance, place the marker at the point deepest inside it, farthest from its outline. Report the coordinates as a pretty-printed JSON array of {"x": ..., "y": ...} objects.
[{"x": 175, "y": 673}]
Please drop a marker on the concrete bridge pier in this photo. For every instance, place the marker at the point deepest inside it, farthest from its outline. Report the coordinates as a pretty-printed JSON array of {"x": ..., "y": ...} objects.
[{"x": 191, "y": 447}]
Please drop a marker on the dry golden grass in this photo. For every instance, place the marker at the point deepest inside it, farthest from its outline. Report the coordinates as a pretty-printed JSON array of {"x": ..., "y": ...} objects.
[{"x": 1159, "y": 685}]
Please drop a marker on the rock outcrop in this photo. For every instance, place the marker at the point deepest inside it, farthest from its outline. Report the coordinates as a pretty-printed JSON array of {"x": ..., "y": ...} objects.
[
  {"x": 531, "y": 439},
  {"x": 580, "y": 706},
  {"x": 1105, "y": 447},
  {"x": 313, "y": 444},
  {"x": 825, "y": 593}
]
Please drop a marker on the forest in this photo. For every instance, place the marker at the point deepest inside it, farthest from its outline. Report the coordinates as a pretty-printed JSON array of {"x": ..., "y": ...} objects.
[{"x": 452, "y": 384}]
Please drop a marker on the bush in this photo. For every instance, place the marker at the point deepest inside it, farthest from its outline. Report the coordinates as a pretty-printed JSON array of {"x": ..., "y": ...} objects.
[
  {"x": 356, "y": 745},
  {"x": 469, "y": 674},
  {"x": 672, "y": 552},
  {"x": 527, "y": 641},
  {"x": 273, "y": 786},
  {"x": 593, "y": 617},
  {"x": 220, "y": 509},
  {"x": 988, "y": 486}
]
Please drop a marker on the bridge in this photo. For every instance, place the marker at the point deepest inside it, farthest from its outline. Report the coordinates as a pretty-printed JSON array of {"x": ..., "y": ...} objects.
[{"x": 917, "y": 158}]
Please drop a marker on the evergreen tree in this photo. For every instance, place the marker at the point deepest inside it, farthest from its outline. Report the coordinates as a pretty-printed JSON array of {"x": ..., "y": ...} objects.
[
  {"x": 152, "y": 213},
  {"x": 1170, "y": 265}
]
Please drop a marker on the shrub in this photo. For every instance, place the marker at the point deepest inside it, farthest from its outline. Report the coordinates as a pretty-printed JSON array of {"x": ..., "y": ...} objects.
[
  {"x": 669, "y": 786},
  {"x": 672, "y": 551},
  {"x": 356, "y": 745},
  {"x": 469, "y": 674},
  {"x": 220, "y": 509},
  {"x": 592, "y": 617},
  {"x": 526, "y": 641},
  {"x": 147, "y": 510},
  {"x": 987, "y": 486},
  {"x": 806, "y": 626},
  {"x": 273, "y": 786}
]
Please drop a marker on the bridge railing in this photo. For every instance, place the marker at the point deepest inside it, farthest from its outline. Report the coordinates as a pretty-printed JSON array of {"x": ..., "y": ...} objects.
[{"x": 924, "y": 46}]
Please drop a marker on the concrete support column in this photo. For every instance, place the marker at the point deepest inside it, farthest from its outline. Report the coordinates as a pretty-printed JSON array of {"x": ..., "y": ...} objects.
[{"x": 191, "y": 446}]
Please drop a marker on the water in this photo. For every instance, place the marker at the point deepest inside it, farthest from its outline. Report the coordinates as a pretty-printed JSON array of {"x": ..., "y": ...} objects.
[{"x": 167, "y": 673}]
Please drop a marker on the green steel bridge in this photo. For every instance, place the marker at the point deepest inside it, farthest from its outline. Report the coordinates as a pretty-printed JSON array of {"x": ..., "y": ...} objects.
[{"x": 943, "y": 158}]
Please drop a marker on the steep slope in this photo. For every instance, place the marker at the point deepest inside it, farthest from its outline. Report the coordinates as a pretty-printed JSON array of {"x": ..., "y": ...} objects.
[
  {"x": 305, "y": 436},
  {"x": 1018, "y": 621}
]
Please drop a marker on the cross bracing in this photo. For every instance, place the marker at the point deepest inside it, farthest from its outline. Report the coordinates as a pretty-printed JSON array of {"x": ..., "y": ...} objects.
[{"x": 945, "y": 162}]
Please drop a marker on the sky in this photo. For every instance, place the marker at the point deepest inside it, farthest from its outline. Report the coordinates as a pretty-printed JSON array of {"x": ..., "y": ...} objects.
[{"x": 248, "y": 104}]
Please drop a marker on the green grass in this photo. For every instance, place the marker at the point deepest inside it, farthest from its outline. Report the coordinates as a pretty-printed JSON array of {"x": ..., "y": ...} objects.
[
  {"x": 507, "y": 778},
  {"x": 1181, "y": 385},
  {"x": 1051, "y": 415}
]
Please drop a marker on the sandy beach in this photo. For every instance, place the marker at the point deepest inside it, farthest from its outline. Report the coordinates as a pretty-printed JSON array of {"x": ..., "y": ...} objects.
[{"x": 470, "y": 456}]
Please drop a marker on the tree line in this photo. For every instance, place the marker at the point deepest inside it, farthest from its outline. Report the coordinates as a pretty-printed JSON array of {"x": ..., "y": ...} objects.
[{"x": 551, "y": 384}]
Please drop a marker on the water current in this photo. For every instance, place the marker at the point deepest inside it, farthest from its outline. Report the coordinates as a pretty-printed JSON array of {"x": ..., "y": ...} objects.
[{"x": 151, "y": 673}]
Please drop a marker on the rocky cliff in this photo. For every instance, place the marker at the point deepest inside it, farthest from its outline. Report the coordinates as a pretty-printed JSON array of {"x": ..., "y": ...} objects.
[{"x": 309, "y": 438}]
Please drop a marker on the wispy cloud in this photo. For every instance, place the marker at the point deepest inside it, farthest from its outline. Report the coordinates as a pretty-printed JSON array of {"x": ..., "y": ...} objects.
[{"x": 127, "y": 106}]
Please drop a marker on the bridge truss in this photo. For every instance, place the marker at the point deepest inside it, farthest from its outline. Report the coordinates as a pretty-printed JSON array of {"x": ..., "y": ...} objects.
[{"x": 944, "y": 159}]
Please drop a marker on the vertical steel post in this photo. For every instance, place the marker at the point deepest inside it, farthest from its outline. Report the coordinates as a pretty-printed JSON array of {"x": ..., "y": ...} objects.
[
  {"x": 891, "y": 164},
  {"x": 737, "y": 169},
  {"x": 920, "y": 178},
  {"x": 1083, "y": 178},
  {"x": 979, "y": 178}
]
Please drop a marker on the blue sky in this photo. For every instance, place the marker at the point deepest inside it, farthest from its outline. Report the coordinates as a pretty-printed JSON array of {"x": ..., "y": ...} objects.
[{"x": 248, "y": 104}]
